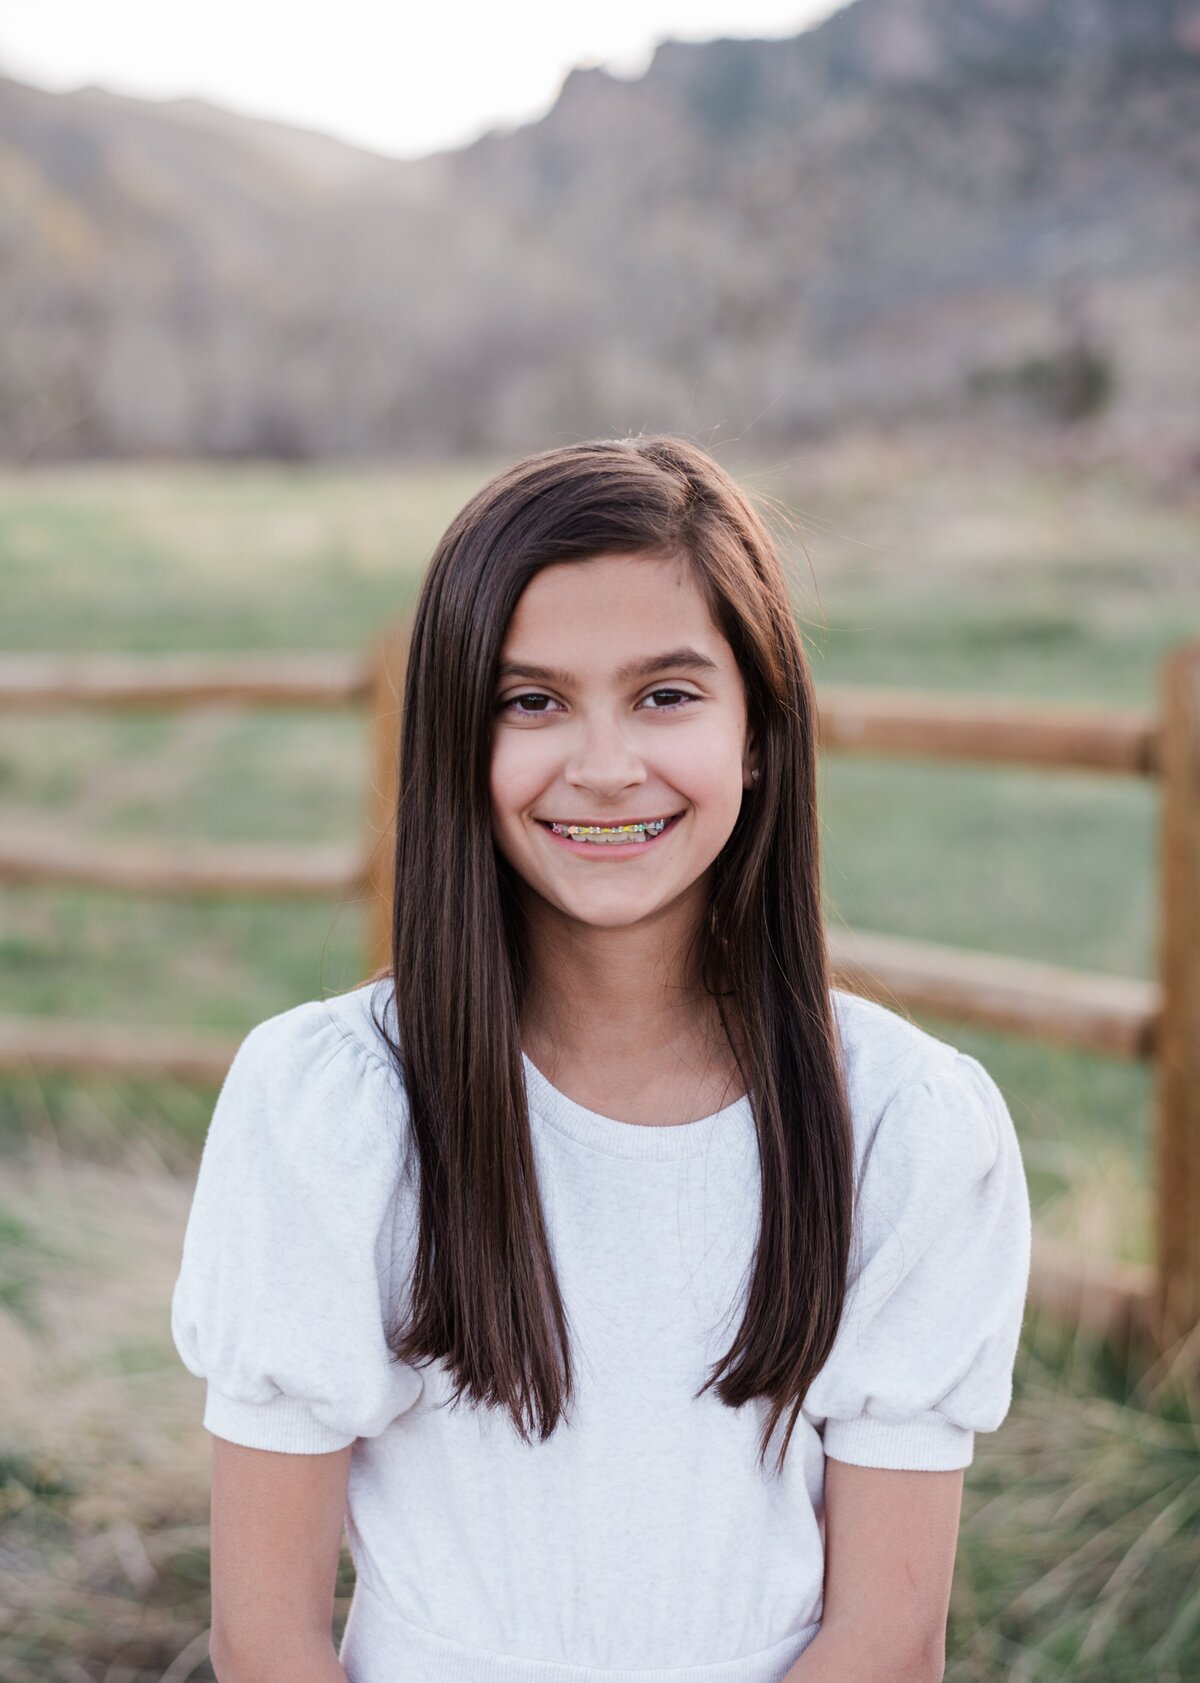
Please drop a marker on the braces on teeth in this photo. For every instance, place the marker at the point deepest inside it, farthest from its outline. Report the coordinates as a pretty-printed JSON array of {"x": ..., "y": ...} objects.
[{"x": 651, "y": 827}]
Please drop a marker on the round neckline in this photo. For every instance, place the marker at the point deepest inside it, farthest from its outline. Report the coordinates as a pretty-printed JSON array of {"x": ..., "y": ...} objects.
[{"x": 658, "y": 1142}]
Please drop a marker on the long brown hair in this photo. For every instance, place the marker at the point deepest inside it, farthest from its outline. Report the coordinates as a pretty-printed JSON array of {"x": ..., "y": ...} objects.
[{"x": 484, "y": 1297}]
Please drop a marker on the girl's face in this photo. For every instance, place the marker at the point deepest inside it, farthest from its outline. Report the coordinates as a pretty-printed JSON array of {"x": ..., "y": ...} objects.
[{"x": 618, "y": 701}]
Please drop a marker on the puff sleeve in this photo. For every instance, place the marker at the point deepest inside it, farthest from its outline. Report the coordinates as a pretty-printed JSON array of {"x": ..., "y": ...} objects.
[
  {"x": 288, "y": 1252},
  {"x": 925, "y": 1352}
]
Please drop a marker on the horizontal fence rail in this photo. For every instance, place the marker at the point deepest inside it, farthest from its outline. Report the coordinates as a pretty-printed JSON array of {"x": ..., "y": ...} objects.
[
  {"x": 193, "y": 869},
  {"x": 940, "y": 727},
  {"x": 1116, "y": 1015},
  {"x": 1122, "y": 1017},
  {"x": 164, "y": 681},
  {"x": 1109, "y": 1015},
  {"x": 89, "y": 1049},
  {"x": 917, "y": 723}
]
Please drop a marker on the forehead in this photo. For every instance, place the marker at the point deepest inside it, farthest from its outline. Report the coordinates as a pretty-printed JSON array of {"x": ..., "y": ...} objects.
[{"x": 613, "y": 605}]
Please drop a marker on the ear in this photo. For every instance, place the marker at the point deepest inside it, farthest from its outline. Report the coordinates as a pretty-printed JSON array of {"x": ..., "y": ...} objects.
[{"x": 750, "y": 761}]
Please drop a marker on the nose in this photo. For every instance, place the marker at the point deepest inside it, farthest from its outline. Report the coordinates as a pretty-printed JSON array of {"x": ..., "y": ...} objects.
[{"x": 603, "y": 759}]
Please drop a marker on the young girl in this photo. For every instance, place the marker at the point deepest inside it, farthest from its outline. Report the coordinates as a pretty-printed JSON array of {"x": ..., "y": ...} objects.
[{"x": 630, "y": 1293}]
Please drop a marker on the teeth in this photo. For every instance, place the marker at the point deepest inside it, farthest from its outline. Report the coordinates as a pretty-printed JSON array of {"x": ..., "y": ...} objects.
[{"x": 610, "y": 834}]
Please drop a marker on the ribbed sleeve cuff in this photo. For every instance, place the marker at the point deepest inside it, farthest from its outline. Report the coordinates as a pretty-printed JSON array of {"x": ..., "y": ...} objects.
[
  {"x": 284, "y": 1423},
  {"x": 924, "y": 1442}
]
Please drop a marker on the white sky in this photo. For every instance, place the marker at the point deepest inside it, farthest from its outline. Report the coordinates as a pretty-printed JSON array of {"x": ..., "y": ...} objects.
[{"x": 402, "y": 79}]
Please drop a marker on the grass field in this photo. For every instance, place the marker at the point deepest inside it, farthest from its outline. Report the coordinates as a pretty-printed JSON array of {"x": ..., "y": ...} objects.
[{"x": 1078, "y": 1556}]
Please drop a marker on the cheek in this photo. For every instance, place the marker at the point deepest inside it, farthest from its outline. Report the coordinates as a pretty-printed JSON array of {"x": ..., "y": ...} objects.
[
  {"x": 707, "y": 770},
  {"x": 516, "y": 774}
]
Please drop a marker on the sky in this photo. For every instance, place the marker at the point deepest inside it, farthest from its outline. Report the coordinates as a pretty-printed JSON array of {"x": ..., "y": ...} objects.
[{"x": 400, "y": 79}]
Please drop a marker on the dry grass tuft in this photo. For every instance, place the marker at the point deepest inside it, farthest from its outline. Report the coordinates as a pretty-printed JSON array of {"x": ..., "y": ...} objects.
[{"x": 103, "y": 1468}]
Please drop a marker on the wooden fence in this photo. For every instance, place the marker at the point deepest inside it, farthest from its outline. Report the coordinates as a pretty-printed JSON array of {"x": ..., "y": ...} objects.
[{"x": 1120, "y": 1017}]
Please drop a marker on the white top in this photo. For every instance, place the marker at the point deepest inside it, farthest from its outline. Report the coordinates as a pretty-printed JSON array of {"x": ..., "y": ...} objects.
[{"x": 640, "y": 1543}]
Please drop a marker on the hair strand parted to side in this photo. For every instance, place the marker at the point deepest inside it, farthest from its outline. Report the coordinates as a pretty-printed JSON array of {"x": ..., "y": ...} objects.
[{"x": 483, "y": 1297}]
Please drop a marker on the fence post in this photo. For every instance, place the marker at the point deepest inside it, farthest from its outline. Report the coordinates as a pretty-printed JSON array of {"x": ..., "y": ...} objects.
[
  {"x": 389, "y": 660},
  {"x": 1178, "y": 1041}
]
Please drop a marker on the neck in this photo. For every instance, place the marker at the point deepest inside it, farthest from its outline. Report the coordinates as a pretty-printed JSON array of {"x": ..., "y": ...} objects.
[{"x": 617, "y": 997}]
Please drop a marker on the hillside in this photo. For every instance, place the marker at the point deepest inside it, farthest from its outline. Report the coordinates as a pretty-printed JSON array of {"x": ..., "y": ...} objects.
[{"x": 934, "y": 208}]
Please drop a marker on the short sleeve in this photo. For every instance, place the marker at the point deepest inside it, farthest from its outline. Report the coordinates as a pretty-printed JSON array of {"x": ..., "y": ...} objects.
[
  {"x": 288, "y": 1252},
  {"x": 925, "y": 1353}
]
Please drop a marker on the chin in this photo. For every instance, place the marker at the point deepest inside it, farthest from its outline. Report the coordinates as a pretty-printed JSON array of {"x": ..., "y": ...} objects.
[{"x": 606, "y": 917}]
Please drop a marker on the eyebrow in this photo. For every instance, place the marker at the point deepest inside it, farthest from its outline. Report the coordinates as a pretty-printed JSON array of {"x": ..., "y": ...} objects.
[{"x": 690, "y": 660}]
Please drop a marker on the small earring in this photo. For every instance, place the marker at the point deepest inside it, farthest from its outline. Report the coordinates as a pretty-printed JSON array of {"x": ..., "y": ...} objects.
[{"x": 754, "y": 774}]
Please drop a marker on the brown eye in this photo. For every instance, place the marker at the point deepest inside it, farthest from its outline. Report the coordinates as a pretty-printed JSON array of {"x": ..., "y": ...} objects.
[
  {"x": 684, "y": 697},
  {"x": 510, "y": 706}
]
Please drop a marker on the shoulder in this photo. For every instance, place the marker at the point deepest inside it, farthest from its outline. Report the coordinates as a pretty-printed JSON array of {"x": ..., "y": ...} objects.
[
  {"x": 344, "y": 1028},
  {"x": 366, "y": 1015},
  {"x": 883, "y": 1050},
  {"x": 940, "y": 1267},
  {"x": 310, "y": 1085},
  {"x": 914, "y": 1094},
  {"x": 299, "y": 1236},
  {"x": 317, "y": 1027}
]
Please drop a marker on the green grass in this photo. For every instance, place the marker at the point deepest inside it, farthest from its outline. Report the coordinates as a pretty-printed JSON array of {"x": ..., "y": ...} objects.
[
  {"x": 988, "y": 578},
  {"x": 1077, "y": 1556}
]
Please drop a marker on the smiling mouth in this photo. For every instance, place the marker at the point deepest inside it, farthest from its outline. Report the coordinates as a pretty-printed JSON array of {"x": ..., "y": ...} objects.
[{"x": 637, "y": 831}]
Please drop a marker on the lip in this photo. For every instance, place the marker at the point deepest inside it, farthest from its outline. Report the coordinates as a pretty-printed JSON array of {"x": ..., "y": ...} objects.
[
  {"x": 609, "y": 850},
  {"x": 611, "y": 823}
]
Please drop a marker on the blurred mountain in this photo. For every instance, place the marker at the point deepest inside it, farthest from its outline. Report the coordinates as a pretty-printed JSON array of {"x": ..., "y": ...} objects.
[{"x": 919, "y": 208}]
